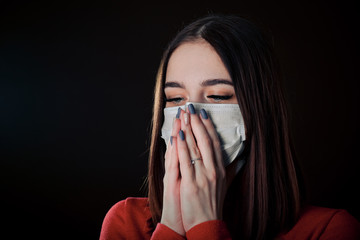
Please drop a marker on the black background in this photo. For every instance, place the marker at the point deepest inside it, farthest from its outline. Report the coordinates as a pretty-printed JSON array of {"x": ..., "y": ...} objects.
[{"x": 76, "y": 84}]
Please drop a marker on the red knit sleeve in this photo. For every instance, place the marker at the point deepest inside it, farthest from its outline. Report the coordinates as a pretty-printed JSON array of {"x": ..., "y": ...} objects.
[
  {"x": 162, "y": 232},
  {"x": 342, "y": 226},
  {"x": 210, "y": 230}
]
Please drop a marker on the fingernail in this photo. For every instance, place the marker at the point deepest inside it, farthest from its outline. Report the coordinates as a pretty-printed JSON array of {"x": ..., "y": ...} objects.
[
  {"x": 186, "y": 118},
  {"x": 203, "y": 114},
  {"x": 171, "y": 138},
  {"x": 191, "y": 108},
  {"x": 181, "y": 134},
  {"x": 178, "y": 113}
]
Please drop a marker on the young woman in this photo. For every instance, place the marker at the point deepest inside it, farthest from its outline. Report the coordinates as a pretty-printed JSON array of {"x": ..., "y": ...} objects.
[{"x": 227, "y": 167}]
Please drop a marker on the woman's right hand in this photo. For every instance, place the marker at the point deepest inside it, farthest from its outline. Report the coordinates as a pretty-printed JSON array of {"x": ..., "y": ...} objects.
[{"x": 171, "y": 212}]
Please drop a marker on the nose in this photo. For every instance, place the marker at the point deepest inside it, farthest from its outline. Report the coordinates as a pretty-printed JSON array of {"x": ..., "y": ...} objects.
[{"x": 197, "y": 97}]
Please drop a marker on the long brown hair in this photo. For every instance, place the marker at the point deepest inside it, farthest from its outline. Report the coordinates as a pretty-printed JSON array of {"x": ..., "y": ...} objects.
[{"x": 265, "y": 198}]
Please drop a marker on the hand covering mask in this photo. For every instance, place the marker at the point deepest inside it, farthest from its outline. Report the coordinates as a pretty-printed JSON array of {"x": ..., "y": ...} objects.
[{"x": 228, "y": 122}]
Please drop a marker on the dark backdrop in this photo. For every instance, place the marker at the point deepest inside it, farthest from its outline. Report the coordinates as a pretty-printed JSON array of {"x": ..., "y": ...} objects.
[{"x": 76, "y": 84}]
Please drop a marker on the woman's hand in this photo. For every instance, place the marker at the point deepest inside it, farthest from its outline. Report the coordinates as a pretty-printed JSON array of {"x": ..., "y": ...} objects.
[
  {"x": 171, "y": 212},
  {"x": 202, "y": 184}
]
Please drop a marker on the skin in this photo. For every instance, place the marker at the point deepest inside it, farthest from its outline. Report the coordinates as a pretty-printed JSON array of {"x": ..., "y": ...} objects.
[{"x": 195, "y": 193}]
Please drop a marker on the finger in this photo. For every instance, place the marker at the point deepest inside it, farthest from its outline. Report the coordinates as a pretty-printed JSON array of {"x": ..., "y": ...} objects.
[
  {"x": 176, "y": 124},
  {"x": 174, "y": 160},
  {"x": 220, "y": 169},
  {"x": 186, "y": 168},
  {"x": 189, "y": 137},
  {"x": 168, "y": 153},
  {"x": 175, "y": 130},
  {"x": 204, "y": 142},
  {"x": 213, "y": 136}
]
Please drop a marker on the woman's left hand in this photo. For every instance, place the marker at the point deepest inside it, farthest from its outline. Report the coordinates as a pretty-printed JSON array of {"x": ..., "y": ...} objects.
[{"x": 202, "y": 187}]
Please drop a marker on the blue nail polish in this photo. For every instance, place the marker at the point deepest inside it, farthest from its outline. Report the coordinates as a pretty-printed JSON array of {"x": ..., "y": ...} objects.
[
  {"x": 178, "y": 113},
  {"x": 191, "y": 108},
  {"x": 181, "y": 134},
  {"x": 171, "y": 138},
  {"x": 203, "y": 114}
]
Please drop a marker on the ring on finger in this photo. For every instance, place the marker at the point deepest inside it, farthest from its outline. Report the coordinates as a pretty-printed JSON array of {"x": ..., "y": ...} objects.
[{"x": 195, "y": 159}]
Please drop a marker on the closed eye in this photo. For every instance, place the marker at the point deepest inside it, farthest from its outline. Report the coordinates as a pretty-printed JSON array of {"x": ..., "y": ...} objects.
[
  {"x": 220, "y": 97},
  {"x": 174, "y": 100}
]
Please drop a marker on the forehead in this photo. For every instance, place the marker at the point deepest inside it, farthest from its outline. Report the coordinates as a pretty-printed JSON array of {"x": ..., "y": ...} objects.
[{"x": 195, "y": 61}]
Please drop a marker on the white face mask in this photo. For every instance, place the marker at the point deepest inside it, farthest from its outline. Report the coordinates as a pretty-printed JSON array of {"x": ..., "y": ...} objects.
[{"x": 228, "y": 122}]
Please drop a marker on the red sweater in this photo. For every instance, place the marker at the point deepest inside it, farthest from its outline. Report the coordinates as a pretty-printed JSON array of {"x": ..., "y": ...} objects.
[{"x": 131, "y": 219}]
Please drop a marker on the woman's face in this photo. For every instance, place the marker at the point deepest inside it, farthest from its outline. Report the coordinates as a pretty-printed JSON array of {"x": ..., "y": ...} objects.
[{"x": 195, "y": 73}]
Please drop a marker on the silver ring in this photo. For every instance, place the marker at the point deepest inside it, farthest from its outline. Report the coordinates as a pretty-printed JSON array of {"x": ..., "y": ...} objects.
[{"x": 193, "y": 160}]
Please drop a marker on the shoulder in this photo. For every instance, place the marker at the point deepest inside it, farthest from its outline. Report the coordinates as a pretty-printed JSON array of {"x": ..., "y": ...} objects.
[
  {"x": 129, "y": 205},
  {"x": 127, "y": 216},
  {"x": 327, "y": 223}
]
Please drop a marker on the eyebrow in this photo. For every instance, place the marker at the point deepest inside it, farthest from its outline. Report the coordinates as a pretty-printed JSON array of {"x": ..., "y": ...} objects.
[
  {"x": 174, "y": 85},
  {"x": 212, "y": 82},
  {"x": 205, "y": 83}
]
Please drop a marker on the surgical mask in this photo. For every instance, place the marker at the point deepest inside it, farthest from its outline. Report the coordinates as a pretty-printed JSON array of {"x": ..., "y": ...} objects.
[{"x": 228, "y": 123}]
